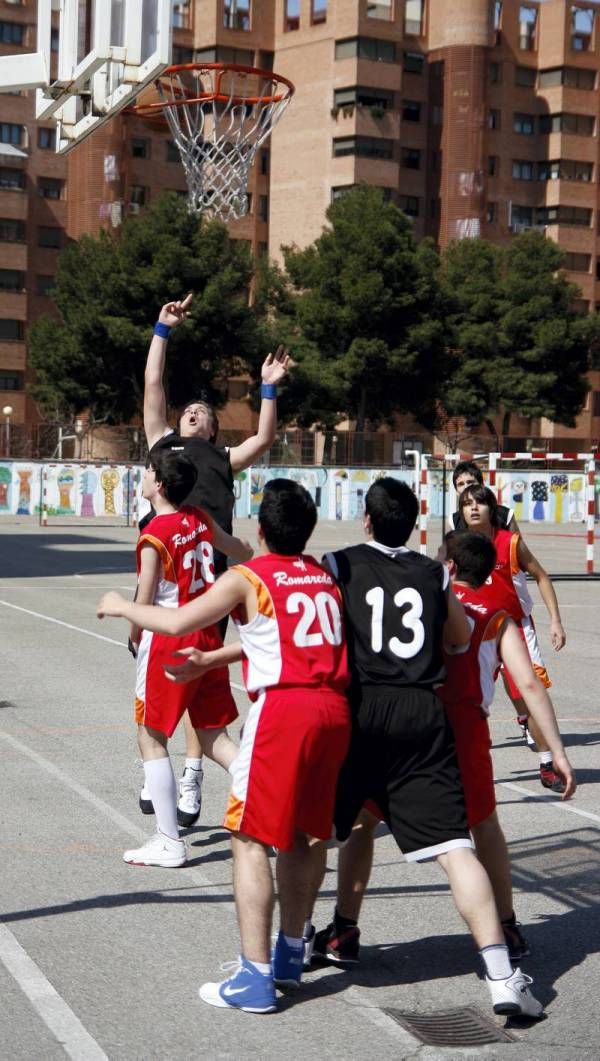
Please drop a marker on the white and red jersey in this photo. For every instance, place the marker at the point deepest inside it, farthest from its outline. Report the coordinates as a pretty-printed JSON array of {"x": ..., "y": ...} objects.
[
  {"x": 296, "y": 637},
  {"x": 471, "y": 671},
  {"x": 507, "y": 586},
  {"x": 184, "y": 542}
]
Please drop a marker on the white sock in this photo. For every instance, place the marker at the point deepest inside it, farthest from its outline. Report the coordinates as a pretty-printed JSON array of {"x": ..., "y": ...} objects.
[
  {"x": 162, "y": 787},
  {"x": 193, "y": 764},
  {"x": 496, "y": 961},
  {"x": 263, "y": 967},
  {"x": 545, "y": 758}
]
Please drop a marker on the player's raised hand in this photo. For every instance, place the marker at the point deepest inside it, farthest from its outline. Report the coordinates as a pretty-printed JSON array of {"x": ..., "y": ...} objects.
[
  {"x": 173, "y": 313},
  {"x": 192, "y": 666},
  {"x": 276, "y": 366},
  {"x": 111, "y": 604}
]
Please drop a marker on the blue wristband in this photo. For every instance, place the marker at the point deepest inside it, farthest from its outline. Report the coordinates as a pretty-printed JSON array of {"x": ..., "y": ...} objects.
[
  {"x": 164, "y": 330},
  {"x": 268, "y": 390}
]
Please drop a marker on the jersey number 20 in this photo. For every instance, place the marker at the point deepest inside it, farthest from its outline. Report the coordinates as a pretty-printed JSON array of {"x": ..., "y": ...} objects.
[
  {"x": 322, "y": 611},
  {"x": 410, "y": 620}
]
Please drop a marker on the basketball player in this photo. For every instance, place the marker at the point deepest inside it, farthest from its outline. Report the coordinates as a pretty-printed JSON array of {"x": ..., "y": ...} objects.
[
  {"x": 398, "y": 613},
  {"x": 213, "y": 490},
  {"x": 175, "y": 559},
  {"x": 468, "y": 473},
  {"x": 478, "y": 507},
  {"x": 287, "y": 610}
]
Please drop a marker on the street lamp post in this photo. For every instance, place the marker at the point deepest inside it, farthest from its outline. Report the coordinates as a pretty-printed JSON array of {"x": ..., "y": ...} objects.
[{"x": 7, "y": 412}]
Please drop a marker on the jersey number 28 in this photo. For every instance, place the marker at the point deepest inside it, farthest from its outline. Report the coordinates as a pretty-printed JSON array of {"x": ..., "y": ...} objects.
[
  {"x": 201, "y": 561},
  {"x": 410, "y": 620}
]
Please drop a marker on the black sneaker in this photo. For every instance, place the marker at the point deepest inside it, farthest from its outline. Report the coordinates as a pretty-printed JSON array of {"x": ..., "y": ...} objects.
[
  {"x": 146, "y": 805},
  {"x": 518, "y": 946},
  {"x": 341, "y": 948},
  {"x": 550, "y": 779}
]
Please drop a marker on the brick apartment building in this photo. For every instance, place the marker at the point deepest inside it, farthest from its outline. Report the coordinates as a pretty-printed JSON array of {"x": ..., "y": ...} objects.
[{"x": 476, "y": 117}]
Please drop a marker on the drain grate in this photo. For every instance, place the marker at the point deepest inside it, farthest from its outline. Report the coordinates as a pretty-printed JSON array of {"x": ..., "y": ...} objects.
[{"x": 451, "y": 1027}]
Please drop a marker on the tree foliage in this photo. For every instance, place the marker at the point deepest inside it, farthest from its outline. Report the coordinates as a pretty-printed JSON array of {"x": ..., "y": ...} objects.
[
  {"x": 108, "y": 295},
  {"x": 515, "y": 342},
  {"x": 358, "y": 316}
]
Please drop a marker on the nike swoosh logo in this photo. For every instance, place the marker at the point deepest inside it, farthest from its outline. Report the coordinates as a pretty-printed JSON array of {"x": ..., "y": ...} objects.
[{"x": 228, "y": 991}]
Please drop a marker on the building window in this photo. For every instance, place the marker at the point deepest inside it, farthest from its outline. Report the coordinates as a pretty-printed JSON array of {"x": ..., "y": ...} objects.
[
  {"x": 10, "y": 133},
  {"x": 236, "y": 14},
  {"x": 363, "y": 147},
  {"x": 524, "y": 124},
  {"x": 596, "y": 401},
  {"x": 11, "y": 331},
  {"x": 265, "y": 162},
  {"x": 49, "y": 237},
  {"x": 582, "y": 28},
  {"x": 380, "y": 9},
  {"x": 522, "y": 170},
  {"x": 50, "y": 187},
  {"x": 138, "y": 196},
  {"x": 140, "y": 148},
  {"x": 409, "y": 204},
  {"x": 181, "y": 14},
  {"x": 565, "y": 169},
  {"x": 46, "y": 139},
  {"x": 520, "y": 217},
  {"x": 263, "y": 250},
  {"x": 364, "y": 97},
  {"x": 491, "y": 213},
  {"x": 172, "y": 152},
  {"x": 571, "y": 76},
  {"x": 44, "y": 284},
  {"x": 576, "y": 124},
  {"x": 495, "y": 73},
  {"x": 576, "y": 263},
  {"x": 413, "y": 17},
  {"x": 563, "y": 215},
  {"x": 220, "y": 54},
  {"x": 366, "y": 48},
  {"x": 263, "y": 207},
  {"x": 437, "y": 115},
  {"x": 12, "y": 230},
  {"x": 525, "y": 76},
  {"x": 182, "y": 55},
  {"x": 493, "y": 165},
  {"x": 410, "y": 158},
  {"x": 493, "y": 118},
  {"x": 411, "y": 110},
  {"x": 12, "y": 280},
  {"x": 318, "y": 12},
  {"x": 527, "y": 27},
  {"x": 291, "y": 15},
  {"x": 497, "y": 15},
  {"x": 11, "y": 381},
  {"x": 12, "y": 179},
  {"x": 413, "y": 62},
  {"x": 12, "y": 33}
]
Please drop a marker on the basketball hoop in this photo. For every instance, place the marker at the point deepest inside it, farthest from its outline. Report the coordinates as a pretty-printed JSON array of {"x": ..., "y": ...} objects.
[{"x": 219, "y": 114}]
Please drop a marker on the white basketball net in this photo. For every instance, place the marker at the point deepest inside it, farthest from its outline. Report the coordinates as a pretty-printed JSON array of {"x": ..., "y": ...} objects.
[{"x": 218, "y": 137}]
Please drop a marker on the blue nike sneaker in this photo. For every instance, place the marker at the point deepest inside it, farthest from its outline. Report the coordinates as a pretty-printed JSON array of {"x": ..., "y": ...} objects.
[{"x": 248, "y": 990}]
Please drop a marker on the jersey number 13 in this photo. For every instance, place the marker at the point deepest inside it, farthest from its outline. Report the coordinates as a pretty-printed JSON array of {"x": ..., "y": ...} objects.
[{"x": 410, "y": 619}]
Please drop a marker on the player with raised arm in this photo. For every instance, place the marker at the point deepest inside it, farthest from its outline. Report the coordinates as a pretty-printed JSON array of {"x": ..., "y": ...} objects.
[
  {"x": 288, "y": 613},
  {"x": 213, "y": 490},
  {"x": 175, "y": 560}
]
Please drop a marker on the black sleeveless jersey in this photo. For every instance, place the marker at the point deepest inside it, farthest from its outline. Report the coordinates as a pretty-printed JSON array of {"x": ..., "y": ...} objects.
[
  {"x": 395, "y": 609},
  {"x": 213, "y": 489}
]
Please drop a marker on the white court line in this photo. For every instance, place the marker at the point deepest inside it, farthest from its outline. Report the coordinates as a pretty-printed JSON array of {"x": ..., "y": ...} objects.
[
  {"x": 58, "y": 1017},
  {"x": 560, "y": 804},
  {"x": 82, "y": 630}
]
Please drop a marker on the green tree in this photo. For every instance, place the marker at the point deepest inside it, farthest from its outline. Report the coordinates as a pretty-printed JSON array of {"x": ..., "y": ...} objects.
[
  {"x": 360, "y": 315},
  {"x": 515, "y": 341},
  {"x": 107, "y": 296}
]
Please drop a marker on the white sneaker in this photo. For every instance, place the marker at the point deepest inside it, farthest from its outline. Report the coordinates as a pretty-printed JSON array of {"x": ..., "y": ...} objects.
[
  {"x": 512, "y": 997},
  {"x": 190, "y": 796},
  {"x": 159, "y": 850}
]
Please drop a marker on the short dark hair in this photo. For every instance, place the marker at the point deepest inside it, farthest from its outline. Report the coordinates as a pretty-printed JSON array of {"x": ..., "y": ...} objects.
[
  {"x": 393, "y": 509},
  {"x": 474, "y": 555},
  {"x": 484, "y": 496},
  {"x": 287, "y": 516},
  {"x": 467, "y": 466},
  {"x": 176, "y": 474},
  {"x": 211, "y": 412}
]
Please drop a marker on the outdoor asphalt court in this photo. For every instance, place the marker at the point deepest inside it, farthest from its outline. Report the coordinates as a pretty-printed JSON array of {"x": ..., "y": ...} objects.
[{"x": 100, "y": 959}]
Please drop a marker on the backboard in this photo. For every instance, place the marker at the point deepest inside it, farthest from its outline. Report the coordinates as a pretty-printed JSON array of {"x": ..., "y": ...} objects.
[{"x": 108, "y": 50}]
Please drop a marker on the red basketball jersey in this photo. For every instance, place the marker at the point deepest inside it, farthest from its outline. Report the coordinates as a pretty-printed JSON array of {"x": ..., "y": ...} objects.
[
  {"x": 297, "y": 636},
  {"x": 506, "y": 587},
  {"x": 471, "y": 672}
]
